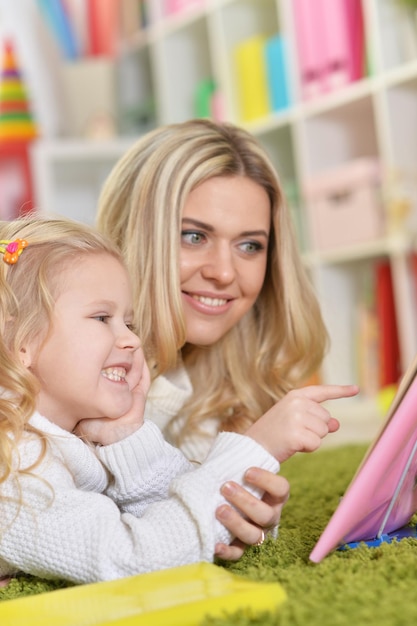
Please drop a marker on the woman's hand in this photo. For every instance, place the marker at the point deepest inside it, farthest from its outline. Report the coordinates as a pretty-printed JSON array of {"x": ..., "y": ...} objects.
[
  {"x": 250, "y": 518},
  {"x": 299, "y": 422},
  {"x": 105, "y": 430}
]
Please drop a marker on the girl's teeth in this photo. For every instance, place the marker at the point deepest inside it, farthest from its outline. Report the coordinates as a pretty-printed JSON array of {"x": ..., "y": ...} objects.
[{"x": 115, "y": 373}]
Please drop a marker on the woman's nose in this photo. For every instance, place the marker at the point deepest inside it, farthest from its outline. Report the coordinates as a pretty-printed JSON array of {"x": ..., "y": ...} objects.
[{"x": 219, "y": 265}]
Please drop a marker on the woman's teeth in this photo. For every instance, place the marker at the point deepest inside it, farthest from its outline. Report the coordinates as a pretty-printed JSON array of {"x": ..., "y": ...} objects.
[{"x": 210, "y": 301}]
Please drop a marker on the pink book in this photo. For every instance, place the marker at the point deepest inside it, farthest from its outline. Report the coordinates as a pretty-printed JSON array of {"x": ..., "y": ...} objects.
[
  {"x": 381, "y": 498},
  {"x": 177, "y": 6},
  {"x": 356, "y": 34},
  {"x": 308, "y": 28},
  {"x": 336, "y": 44}
]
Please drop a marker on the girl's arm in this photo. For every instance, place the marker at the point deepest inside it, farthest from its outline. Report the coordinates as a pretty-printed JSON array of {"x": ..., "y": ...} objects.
[{"x": 77, "y": 532}]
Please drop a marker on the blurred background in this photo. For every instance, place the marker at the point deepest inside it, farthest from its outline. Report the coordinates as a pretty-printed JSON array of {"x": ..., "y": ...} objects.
[{"x": 329, "y": 88}]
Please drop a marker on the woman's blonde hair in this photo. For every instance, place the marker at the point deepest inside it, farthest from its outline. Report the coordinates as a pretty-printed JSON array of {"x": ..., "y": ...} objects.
[
  {"x": 28, "y": 290},
  {"x": 276, "y": 345}
]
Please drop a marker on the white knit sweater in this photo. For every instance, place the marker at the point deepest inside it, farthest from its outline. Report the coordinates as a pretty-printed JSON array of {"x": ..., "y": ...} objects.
[
  {"x": 105, "y": 512},
  {"x": 165, "y": 400}
]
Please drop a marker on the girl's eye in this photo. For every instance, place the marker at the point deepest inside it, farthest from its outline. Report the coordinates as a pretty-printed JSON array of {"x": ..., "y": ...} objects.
[
  {"x": 192, "y": 237},
  {"x": 131, "y": 327},
  {"x": 251, "y": 247},
  {"x": 101, "y": 318}
]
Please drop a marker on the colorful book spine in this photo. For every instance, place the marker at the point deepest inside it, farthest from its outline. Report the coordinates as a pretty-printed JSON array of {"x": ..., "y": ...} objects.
[
  {"x": 276, "y": 70},
  {"x": 57, "y": 17},
  {"x": 103, "y": 27},
  {"x": 251, "y": 77},
  {"x": 367, "y": 335},
  {"x": 330, "y": 44},
  {"x": 356, "y": 35},
  {"x": 308, "y": 29},
  {"x": 178, "y": 6},
  {"x": 76, "y": 11},
  {"x": 203, "y": 98},
  {"x": 335, "y": 41},
  {"x": 218, "y": 107},
  {"x": 389, "y": 351}
]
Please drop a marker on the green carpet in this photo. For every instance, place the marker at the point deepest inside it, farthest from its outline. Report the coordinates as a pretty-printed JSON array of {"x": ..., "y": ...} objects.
[{"x": 372, "y": 586}]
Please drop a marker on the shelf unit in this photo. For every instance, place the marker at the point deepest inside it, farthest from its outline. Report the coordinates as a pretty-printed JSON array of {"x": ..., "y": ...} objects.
[{"x": 373, "y": 117}]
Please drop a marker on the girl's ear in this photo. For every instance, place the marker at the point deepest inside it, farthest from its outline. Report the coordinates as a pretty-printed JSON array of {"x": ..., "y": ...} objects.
[{"x": 25, "y": 355}]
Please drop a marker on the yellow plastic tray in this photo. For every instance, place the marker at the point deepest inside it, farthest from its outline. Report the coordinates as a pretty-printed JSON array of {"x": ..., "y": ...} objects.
[{"x": 180, "y": 596}]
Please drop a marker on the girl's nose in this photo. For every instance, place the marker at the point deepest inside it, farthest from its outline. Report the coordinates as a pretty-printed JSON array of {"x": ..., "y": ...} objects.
[{"x": 128, "y": 339}]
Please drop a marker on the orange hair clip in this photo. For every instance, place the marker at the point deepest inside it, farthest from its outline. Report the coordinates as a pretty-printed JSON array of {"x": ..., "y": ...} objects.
[{"x": 12, "y": 250}]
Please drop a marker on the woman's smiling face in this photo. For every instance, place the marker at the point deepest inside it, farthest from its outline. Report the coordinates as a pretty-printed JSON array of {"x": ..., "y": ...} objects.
[{"x": 224, "y": 242}]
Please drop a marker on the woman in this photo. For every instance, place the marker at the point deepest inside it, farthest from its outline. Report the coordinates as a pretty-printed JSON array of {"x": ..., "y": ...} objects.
[{"x": 226, "y": 312}]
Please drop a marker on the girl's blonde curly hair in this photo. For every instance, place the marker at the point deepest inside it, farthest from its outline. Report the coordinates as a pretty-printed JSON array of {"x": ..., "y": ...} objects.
[{"x": 28, "y": 290}]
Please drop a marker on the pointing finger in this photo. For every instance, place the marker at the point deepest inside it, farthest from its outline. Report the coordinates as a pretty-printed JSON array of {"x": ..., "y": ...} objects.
[{"x": 321, "y": 393}]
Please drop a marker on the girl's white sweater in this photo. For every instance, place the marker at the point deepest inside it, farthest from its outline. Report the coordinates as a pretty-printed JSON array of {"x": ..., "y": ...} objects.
[{"x": 99, "y": 513}]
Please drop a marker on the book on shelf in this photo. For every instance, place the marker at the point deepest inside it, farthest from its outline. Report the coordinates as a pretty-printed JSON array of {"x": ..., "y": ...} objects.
[
  {"x": 178, "y": 6},
  {"x": 330, "y": 44},
  {"x": 378, "y": 350},
  {"x": 261, "y": 76},
  {"x": 389, "y": 351},
  {"x": 309, "y": 46},
  {"x": 103, "y": 27},
  {"x": 276, "y": 72},
  {"x": 336, "y": 45},
  {"x": 252, "y": 82},
  {"x": 203, "y": 97},
  {"x": 57, "y": 17}
]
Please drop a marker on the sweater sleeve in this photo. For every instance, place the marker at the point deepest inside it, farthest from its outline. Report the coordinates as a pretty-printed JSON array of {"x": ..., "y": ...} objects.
[
  {"x": 83, "y": 536},
  {"x": 142, "y": 466}
]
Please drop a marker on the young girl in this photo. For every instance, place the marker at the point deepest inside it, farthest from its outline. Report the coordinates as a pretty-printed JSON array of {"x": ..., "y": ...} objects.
[{"x": 89, "y": 490}]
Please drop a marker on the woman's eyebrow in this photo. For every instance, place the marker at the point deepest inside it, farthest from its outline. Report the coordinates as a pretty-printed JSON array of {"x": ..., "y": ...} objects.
[
  {"x": 254, "y": 233},
  {"x": 245, "y": 233},
  {"x": 189, "y": 220}
]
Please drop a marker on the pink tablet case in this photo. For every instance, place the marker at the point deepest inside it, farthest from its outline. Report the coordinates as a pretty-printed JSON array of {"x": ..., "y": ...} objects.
[{"x": 382, "y": 496}]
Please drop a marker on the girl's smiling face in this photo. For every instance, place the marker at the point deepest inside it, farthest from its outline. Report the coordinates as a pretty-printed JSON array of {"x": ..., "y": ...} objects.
[
  {"x": 86, "y": 365},
  {"x": 224, "y": 242}
]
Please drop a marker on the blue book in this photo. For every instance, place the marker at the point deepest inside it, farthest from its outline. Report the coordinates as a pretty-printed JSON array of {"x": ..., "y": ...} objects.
[
  {"x": 58, "y": 20},
  {"x": 276, "y": 70}
]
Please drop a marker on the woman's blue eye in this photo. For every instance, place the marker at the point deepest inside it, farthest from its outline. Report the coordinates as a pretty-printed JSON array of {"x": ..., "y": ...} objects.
[
  {"x": 192, "y": 237},
  {"x": 251, "y": 247}
]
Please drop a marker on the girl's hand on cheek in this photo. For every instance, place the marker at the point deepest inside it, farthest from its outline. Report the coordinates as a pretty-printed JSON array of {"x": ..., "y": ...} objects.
[{"x": 104, "y": 430}]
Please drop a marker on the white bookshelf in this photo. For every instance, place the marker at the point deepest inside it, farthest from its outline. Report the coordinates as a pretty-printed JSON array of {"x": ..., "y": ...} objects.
[{"x": 376, "y": 116}]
